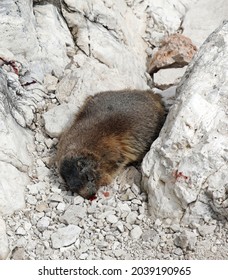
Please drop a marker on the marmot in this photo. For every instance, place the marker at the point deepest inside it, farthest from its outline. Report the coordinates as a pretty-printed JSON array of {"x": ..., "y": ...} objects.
[{"x": 112, "y": 130}]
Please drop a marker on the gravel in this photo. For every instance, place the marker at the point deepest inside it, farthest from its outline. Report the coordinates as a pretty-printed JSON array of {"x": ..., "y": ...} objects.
[{"x": 57, "y": 224}]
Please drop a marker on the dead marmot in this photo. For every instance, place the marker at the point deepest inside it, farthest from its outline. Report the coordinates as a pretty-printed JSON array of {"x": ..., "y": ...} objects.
[{"x": 112, "y": 130}]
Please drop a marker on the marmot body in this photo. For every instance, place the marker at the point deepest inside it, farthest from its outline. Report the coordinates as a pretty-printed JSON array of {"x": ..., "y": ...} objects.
[{"x": 112, "y": 130}]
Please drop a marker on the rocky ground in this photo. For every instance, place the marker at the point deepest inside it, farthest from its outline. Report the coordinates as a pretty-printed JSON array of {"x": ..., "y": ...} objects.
[
  {"x": 56, "y": 224},
  {"x": 46, "y": 74}
]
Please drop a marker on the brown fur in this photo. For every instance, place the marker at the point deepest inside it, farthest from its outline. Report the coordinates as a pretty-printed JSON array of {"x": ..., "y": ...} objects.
[{"x": 112, "y": 130}]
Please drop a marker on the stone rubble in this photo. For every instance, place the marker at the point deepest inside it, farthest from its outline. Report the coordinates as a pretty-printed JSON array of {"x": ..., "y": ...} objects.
[{"x": 44, "y": 78}]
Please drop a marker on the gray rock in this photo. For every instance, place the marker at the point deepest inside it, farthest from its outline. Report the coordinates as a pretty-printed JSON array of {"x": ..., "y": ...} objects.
[
  {"x": 206, "y": 229},
  {"x": 11, "y": 194},
  {"x": 4, "y": 247},
  {"x": 192, "y": 146},
  {"x": 149, "y": 234},
  {"x": 56, "y": 197},
  {"x": 54, "y": 123},
  {"x": 65, "y": 236},
  {"x": 131, "y": 218},
  {"x": 112, "y": 219},
  {"x": 18, "y": 253},
  {"x": 78, "y": 200},
  {"x": 136, "y": 232},
  {"x": 21, "y": 231},
  {"x": 50, "y": 82},
  {"x": 61, "y": 206},
  {"x": 178, "y": 252},
  {"x": 43, "y": 224},
  {"x": 128, "y": 195},
  {"x": 31, "y": 199},
  {"x": 198, "y": 25},
  {"x": 42, "y": 207},
  {"x": 166, "y": 78},
  {"x": 187, "y": 239},
  {"x": 73, "y": 214},
  {"x": 124, "y": 207},
  {"x": 120, "y": 226}
]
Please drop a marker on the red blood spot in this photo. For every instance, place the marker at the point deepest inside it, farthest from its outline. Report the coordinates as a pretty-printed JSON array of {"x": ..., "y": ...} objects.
[
  {"x": 106, "y": 194},
  {"x": 13, "y": 64},
  {"x": 179, "y": 175},
  {"x": 92, "y": 197}
]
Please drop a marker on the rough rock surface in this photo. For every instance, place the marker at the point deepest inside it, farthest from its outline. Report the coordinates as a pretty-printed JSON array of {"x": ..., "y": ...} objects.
[
  {"x": 45, "y": 75},
  {"x": 175, "y": 51},
  {"x": 3, "y": 240},
  {"x": 185, "y": 172},
  {"x": 165, "y": 78},
  {"x": 202, "y": 18}
]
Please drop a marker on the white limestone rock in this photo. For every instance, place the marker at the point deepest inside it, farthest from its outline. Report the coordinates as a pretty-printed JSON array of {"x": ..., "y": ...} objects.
[
  {"x": 192, "y": 146},
  {"x": 165, "y": 78},
  {"x": 43, "y": 224},
  {"x": 57, "y": 119},
  {"x": 4, "y": 248},
  {"x": 43, "y": 48},
  {"x": 17, "y": 28},
  {"x": 164, "y": 18},
  {"x": 53, "y": 41},
  {"x": 73, "y": 214},
  {"x": 136, "y": 232},
  {"x": 202, "y": 19},
  {"x": 12, "y": 186},
  {"x": 65, "y": 236},
  {"x": 112, "y": 219},
  {"x": 186, "y": 239},
  {"x": 111, "y": 56}
]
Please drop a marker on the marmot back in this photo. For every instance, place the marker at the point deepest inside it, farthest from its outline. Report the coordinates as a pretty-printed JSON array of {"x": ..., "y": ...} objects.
[{"x": 112, "y": 130}]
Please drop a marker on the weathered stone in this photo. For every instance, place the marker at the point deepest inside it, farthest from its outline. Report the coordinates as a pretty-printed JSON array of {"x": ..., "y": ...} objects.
[
  {"x": 206, "y": 229},
  {"x": 56, "y": 197},
  {"x": 136, "y": 232},
  {"x": 112, "y": 219},
  {"x": 73, "y": 214},
  {"x": 149, "y": 235},
  {"x": 186, "y": 239},
  {"x": 31, "y": 199},
  {"x": 166, "y": 78},
  {"x": 12, "y": 186},
  {"x": 21, "y": 231},
  {"x": 65, "y": 236},
  {"x": 78, "y": 200},
  {"x": 50, "y": 82},
  {"x": 120, "y": 226},
  {"x": 202, "y": 18},
  {"x": 57, "y": 119},
  {"x": 43, "y": 224},
  {"x": 164, "y": 18},
  {"x": 4, "y": 249},
  {"x": 18, "y": 253},
  {"x": 131, "y": 217},
  {"x": 192, "y": 146},
  {"x": 175, "y": 51}
]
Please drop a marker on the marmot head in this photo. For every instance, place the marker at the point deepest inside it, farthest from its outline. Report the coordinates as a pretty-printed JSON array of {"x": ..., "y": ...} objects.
[{"x": 80, "y": 174}]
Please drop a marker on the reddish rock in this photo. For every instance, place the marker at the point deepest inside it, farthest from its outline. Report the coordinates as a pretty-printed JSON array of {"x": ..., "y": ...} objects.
[{"x": 176, "y": 51}]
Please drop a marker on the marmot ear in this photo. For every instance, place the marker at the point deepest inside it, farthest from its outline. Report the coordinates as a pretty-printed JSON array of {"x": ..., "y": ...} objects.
[{"x": 69, "y": 172}]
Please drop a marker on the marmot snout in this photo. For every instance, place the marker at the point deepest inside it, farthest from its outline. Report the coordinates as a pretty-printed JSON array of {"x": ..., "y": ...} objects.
[{"x": 112, "y": 130}]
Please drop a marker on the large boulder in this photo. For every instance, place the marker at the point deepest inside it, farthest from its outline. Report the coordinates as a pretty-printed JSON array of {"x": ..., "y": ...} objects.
[
  {"x": 16, "y": 145},
  {"x": 185, "y": 172},
  {"x": 110, "y": 55}
]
